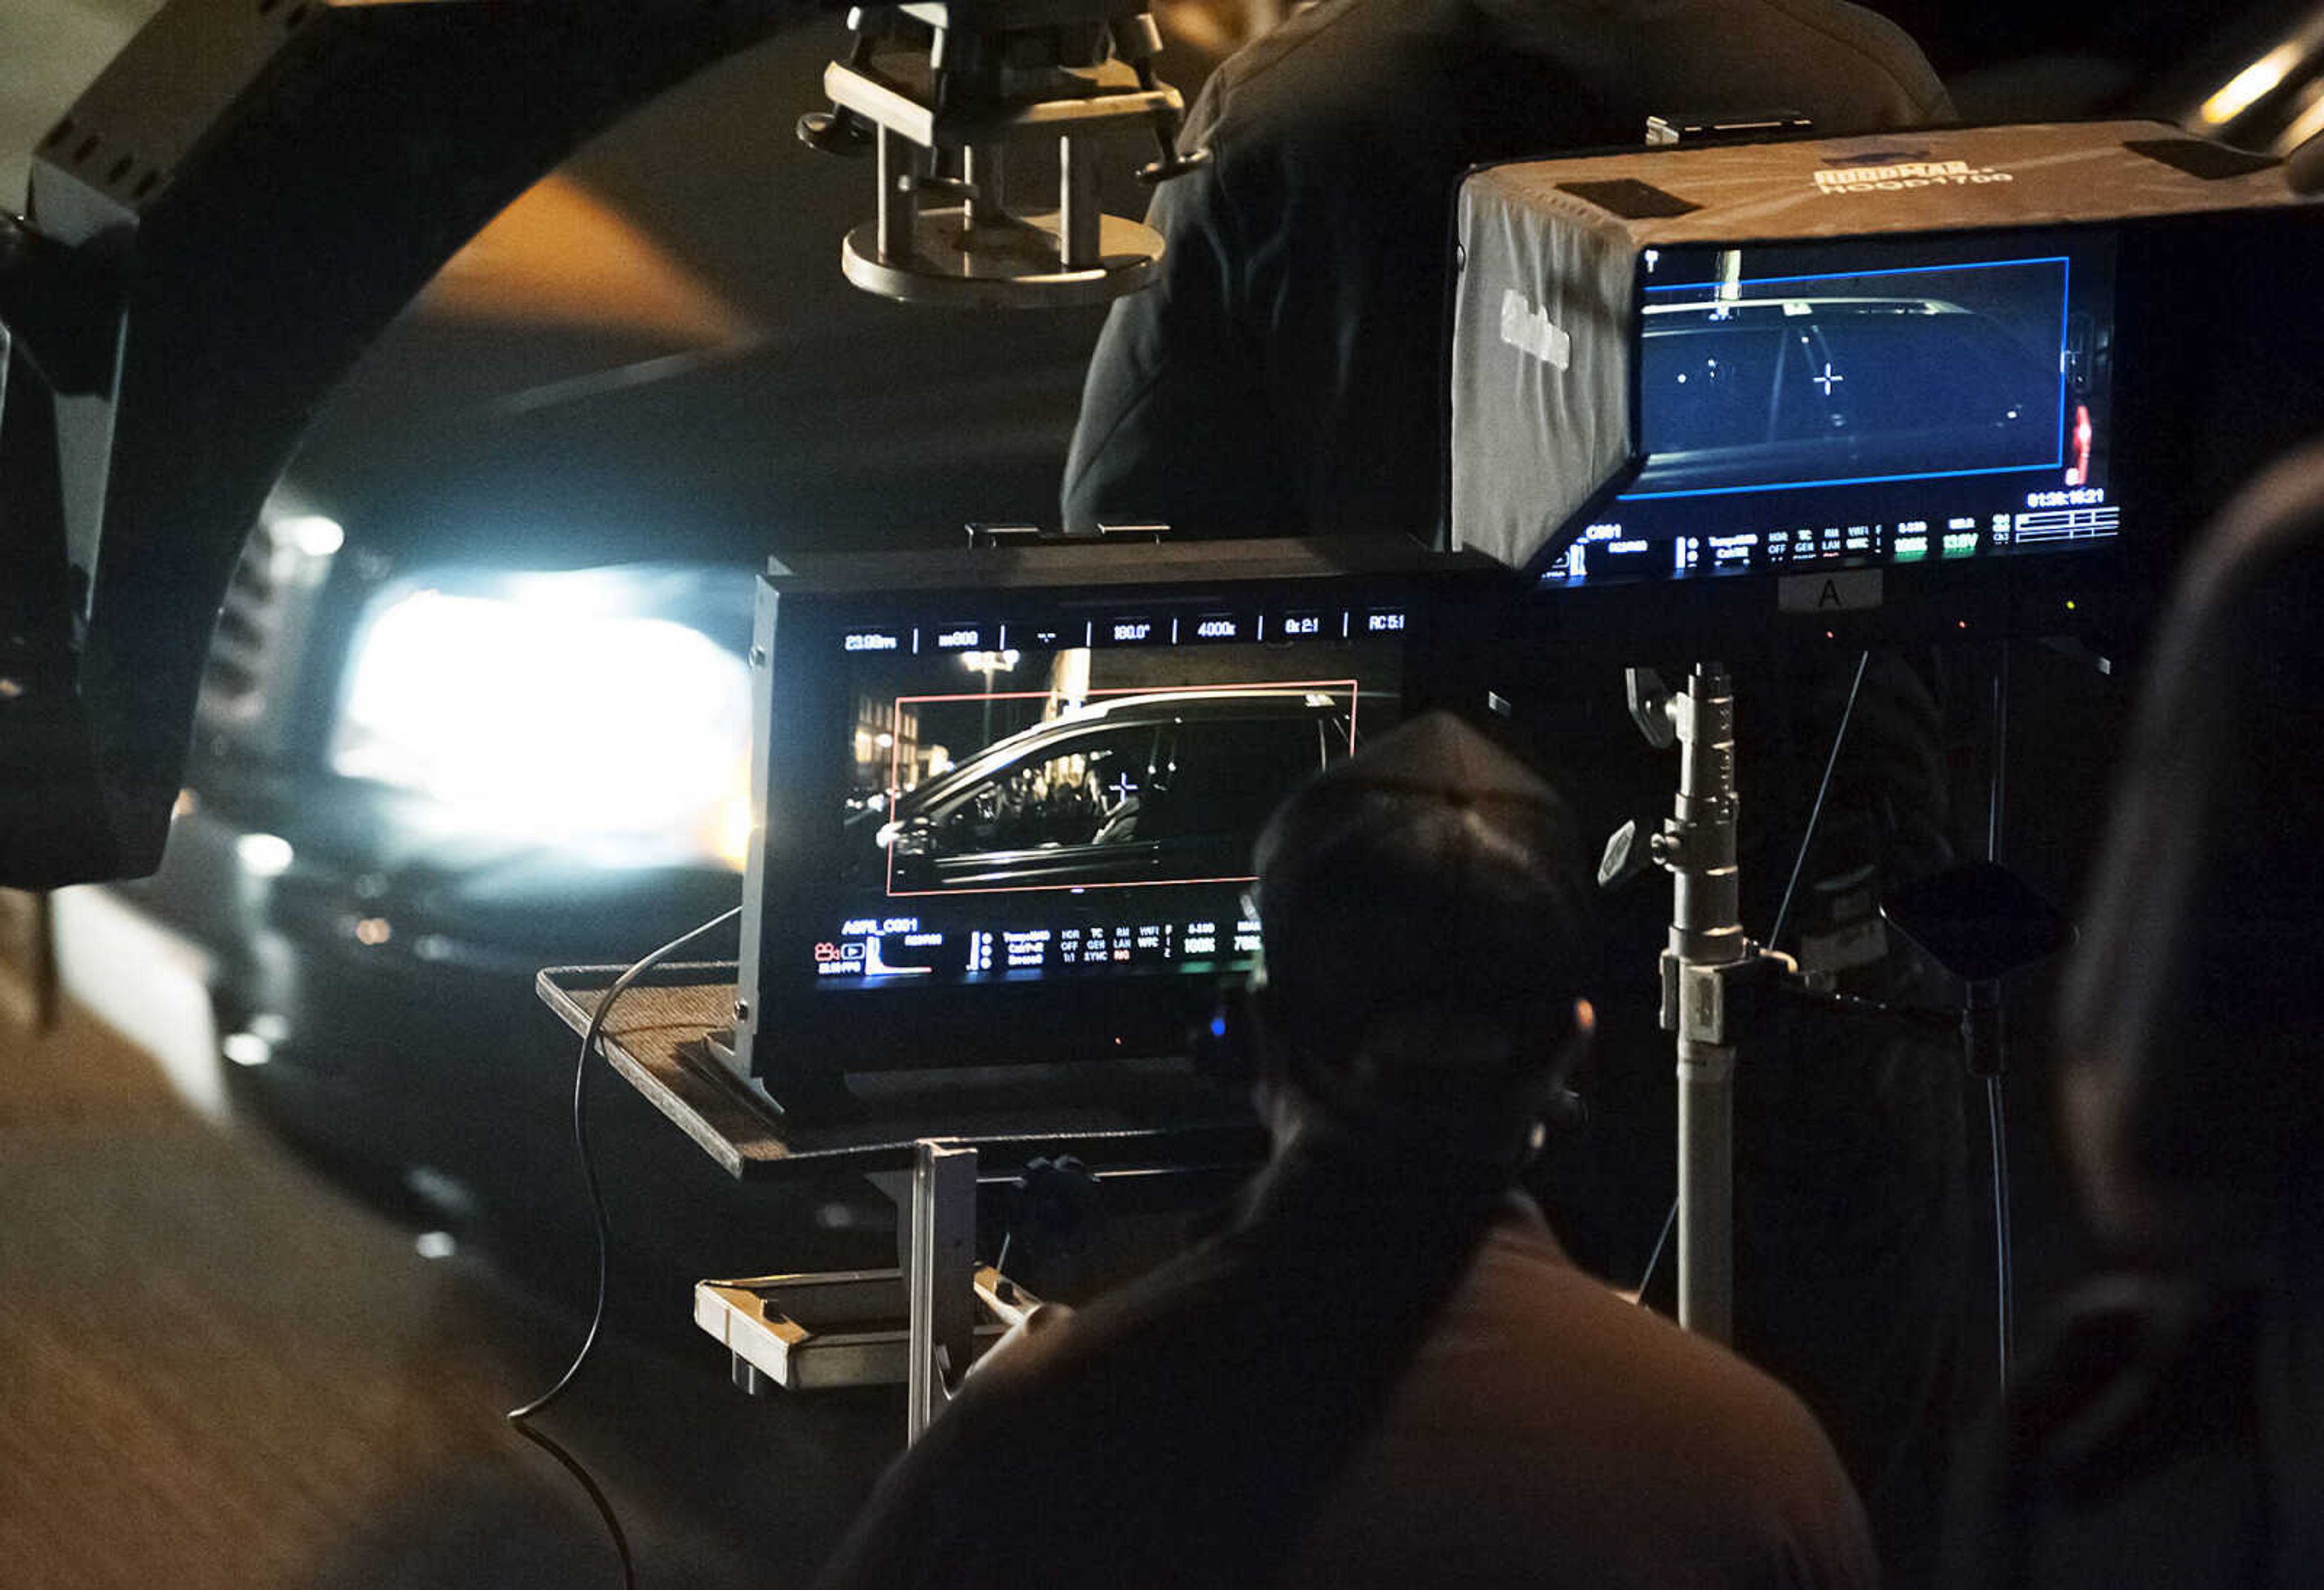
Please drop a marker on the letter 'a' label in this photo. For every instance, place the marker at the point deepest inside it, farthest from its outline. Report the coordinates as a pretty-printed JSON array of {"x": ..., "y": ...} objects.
[{"x": 1846, "y": 590}]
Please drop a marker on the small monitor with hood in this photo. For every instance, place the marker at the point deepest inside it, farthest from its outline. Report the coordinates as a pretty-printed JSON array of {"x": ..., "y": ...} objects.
[{"x": 1965, "y": 372}]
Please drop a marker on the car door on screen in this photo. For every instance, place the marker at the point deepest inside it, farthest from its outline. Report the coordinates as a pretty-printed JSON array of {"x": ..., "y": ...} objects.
[
  {"x": 1926, "y": 392},
  {"x": 1222, "y": 779}
]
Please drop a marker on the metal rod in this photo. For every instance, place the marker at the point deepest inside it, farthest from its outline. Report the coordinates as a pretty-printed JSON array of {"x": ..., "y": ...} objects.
[
  {"x": 1706, "y": 924},
  {"x": 1706, "y": 1193},
  {"x": 986, "y": 165},
  {"x": 941, "y": 1276},
  {"x": 898, "y": 195},
  {"x": 1706, "y": 933},
  {"x": 1077, "y": 212}
]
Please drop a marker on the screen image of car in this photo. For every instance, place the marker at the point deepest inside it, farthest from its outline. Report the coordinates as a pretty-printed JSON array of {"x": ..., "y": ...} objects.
[
  {"x": 1093, "y": 812},
  {"x": 1831, "y": 385},
  {"x": 1888, "y": 400},
  {"x": 1168, "y": 786}
]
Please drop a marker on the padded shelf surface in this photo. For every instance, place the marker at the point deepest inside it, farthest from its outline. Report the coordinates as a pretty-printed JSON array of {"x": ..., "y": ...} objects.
[{"x": 1112, "y": 1114}]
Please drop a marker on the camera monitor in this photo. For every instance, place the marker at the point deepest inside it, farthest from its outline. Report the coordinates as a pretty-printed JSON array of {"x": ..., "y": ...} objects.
[
  {"x": 1007, "y": 798},
  {"x": 1863, "y": 369},
  {"x": 1921, "y": 399}
]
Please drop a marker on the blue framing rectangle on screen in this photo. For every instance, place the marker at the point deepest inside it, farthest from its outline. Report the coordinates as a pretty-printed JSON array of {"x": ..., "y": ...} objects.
[{"x": 2065, "y": 302}]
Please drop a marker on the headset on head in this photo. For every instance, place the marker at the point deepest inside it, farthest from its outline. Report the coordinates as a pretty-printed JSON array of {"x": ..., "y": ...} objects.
[{"x": 1230, "y": 1046}]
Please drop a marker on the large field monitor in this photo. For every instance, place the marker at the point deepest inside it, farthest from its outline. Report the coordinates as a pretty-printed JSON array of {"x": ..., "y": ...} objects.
[{"x": 1006, "y": 798}]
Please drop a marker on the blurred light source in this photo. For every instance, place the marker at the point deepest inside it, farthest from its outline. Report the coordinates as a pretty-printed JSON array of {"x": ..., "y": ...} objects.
[
  {"x": 245, "y": 1049},
  {"x": 733, "y": 843},
  {"x": 312, "y": 534},
  {"x": 2248, "y": 86},
  {"x": 263, "y": 855},
  {"x": 539, "y": 715},
  {"x": 435, "y": 1244},
  {"x": 2307, "y": 124}
]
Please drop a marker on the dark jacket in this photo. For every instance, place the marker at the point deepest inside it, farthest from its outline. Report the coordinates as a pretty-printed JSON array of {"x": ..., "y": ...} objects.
[
  {"x": 1284, "y": 374},
  {"x": 1376, "y": 1377}
]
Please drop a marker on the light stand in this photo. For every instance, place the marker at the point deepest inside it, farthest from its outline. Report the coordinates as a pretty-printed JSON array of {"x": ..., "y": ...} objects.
[
  {"x": 1975, "y": 920},
  {"x": 1704, "y": 970}
]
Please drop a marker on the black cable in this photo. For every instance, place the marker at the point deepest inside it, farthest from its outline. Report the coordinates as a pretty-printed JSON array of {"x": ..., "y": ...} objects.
[
  {"x": 2005, "y": 1299},
  {"x": 1815, "y": 814},
  {"x": 518, "y": 1417},
  {"x": 2004, "y": 1286},
  {"x": 1647, "y": 1277},
  {"x": 1998, "y": 789},
  {"x": 572, "y": 1466}
]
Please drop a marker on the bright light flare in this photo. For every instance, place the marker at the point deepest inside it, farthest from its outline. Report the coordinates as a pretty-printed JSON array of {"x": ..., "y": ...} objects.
[
  {"x": 2307, "y": 124},
  {"x": 2254, "y": 83},
  {"x": 540, "y": 718},
  {"x": 245, "y": 1049},
  {"x": 312, "y": 534},
  {"x": 264, "y": 855},
  {"x": 732, "y": 842}
]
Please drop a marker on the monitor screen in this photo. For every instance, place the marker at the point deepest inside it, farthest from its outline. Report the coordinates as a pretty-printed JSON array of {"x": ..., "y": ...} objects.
[
  {"x": 1812, "y": 405},
  {"x": 1006, "y": 802},
  {"x": 1023, "y": 806}
]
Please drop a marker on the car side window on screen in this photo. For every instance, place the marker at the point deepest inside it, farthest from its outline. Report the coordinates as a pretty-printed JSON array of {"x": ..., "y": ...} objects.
[
  {"x": 1992, "y": 391},
  {"x": 1085, "y": 793},
  {"x": 1227, "y": 774},
  {"x": 1714, "y": 387}
]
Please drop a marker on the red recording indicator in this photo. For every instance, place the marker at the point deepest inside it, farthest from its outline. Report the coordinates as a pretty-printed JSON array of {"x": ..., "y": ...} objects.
[{"x": 2079, "y": 473}]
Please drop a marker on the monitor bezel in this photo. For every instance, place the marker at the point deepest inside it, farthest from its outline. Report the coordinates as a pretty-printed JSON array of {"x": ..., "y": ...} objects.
[
  {"x": 2164, "y": 380},
  {"x": 794, "y": 1040},
  {"x": 2107, "y": 237}
]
